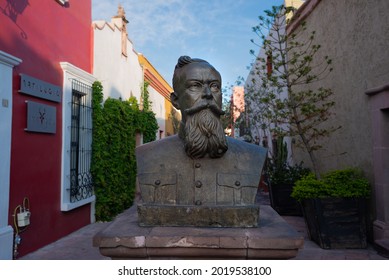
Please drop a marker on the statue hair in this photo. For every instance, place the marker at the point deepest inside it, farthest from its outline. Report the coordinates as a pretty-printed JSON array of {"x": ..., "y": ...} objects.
[{"x": 182, "y": 61}]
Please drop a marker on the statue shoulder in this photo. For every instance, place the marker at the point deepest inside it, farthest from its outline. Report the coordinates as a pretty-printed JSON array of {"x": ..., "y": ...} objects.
[
  {"x": 166, "y": 152},
  {"x": 241, "y": 147},
  {"x": 157, "y": 148}
]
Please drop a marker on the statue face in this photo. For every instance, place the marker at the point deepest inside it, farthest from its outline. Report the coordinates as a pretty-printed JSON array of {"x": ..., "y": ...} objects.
[
  {"x": 199, "y": 85},
  {"x": 197, "y": 93}
]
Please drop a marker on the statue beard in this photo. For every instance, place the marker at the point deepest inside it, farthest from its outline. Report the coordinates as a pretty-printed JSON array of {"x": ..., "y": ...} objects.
[{"x": 204, "y": 134}]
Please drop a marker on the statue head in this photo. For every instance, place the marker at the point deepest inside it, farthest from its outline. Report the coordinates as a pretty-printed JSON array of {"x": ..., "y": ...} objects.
[{"x": 197, "y": 93}]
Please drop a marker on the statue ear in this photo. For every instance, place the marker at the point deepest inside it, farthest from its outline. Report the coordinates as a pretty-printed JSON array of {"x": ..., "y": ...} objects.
[{"x": 174, "y": 100}]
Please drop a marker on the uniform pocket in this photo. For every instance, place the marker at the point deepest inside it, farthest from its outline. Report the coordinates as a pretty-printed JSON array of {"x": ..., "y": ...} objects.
[
  {"x": 236, "y": 189},
  {"x": 157, "y": 188}
]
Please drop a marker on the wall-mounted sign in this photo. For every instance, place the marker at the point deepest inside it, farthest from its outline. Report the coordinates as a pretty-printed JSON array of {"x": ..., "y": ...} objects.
[
  {"x": 38, "y": 88},
  {"x": 41, "y": 117}
]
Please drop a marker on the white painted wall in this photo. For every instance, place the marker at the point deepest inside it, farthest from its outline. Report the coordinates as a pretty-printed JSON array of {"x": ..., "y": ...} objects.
[
  {"x": 120, "y": 76},
  {"x": 158, "y": 107},
  {"x": 7, "y": 62}
]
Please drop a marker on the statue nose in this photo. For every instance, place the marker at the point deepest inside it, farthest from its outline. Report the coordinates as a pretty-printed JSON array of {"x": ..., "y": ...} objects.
[{"x": 207, "y": 94}]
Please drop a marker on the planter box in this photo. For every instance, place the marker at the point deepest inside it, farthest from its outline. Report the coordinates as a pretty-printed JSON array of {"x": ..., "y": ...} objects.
[
  {"x": 282, "y": 202},
  {"x": 336, "y": 223}
]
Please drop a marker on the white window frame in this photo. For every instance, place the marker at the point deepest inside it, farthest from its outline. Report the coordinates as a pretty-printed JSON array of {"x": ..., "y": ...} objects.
[{"x": 70, "y": 72}]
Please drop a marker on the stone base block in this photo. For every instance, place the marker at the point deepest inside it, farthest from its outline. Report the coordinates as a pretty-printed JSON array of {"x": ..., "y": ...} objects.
[
  {"x": 198, "y": 216},
  {"x": 272, "y": 239}
]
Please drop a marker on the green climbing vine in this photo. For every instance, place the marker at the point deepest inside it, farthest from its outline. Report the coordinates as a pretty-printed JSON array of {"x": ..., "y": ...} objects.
[
  {"x": 146, "y": 121},
  {"x": 146, "y": 97},
  {"x": 115, "y": 124}
]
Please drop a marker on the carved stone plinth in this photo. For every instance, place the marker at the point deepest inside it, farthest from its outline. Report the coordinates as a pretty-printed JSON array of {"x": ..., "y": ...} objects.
[
  {"x": 272, "y": 239},
  {"x": 200, "y": 216}
]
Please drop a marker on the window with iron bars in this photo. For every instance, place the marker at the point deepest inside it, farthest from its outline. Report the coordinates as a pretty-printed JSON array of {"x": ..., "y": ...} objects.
[{"x": 81, "y": 142}]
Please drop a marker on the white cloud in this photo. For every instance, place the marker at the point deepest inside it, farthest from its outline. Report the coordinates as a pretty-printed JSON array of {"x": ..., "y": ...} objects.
[
  {"x": 173, "y": 21},
  {"x": 157, "y": 21},
  {"x": 216, "y": 30}
]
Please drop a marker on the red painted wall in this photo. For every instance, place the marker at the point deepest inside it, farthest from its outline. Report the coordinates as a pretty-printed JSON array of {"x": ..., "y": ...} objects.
[{"x": 42, "y": 33}]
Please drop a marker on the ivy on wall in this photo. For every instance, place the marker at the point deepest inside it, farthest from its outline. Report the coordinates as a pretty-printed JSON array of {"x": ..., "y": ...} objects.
[
  {"x": 145, "y": 97},
  {"x": 115, "y": 124},
  {"x": 146, "y": 119}
]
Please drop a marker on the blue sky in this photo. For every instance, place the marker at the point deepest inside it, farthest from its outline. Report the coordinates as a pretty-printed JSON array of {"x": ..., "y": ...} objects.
[{"x": 218, "y": 31}]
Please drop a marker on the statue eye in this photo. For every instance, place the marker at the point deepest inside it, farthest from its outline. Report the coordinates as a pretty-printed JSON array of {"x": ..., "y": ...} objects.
[
  {"x": 215, "y": 87},
  {"x": 196, "y": 86}
]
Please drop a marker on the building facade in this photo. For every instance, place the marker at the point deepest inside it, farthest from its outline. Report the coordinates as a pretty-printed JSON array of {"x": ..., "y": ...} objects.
[
  {"x": 123, "y": 71},
  {"x": 115, "y": 61},
  {"x": 45, "y": 83},
  {"x": 159, "y": 95},
  {"x": 45, "y": 113},
  {"x": 352, "y": 34},
  {"x": 237, "y": 109}
]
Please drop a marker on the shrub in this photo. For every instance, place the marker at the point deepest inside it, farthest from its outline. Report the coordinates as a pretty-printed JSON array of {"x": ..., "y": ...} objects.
[
  {"x": 285, "y": 173},
  {"x": 113, "y": 168},
  {"x": 339, "y": 183}
]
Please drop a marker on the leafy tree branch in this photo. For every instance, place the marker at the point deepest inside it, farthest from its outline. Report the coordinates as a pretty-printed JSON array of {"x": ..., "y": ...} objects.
[{"x": 278, "y": 90}]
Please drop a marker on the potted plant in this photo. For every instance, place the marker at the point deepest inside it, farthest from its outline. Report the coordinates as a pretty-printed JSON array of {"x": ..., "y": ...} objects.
[
  {"x": 335, "y": 208},
  {"x": 282, "y": 177},
  {"x": 282, "y": 180}
]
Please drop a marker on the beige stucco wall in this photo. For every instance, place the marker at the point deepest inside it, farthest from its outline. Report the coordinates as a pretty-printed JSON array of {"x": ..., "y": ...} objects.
[
  {"x": 169, "y": 118},
  {"x": 293, "y": 3},
  {"x": 355, "y": 35},
  {"x": 159, "y": 94}
]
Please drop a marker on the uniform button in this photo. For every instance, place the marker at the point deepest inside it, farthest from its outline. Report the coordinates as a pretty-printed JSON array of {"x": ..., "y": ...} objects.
[
  {"x": 157, "y": 182},
  {"x": 198, "y": 202},
  {"x": 198, "y": 184},
  {"x": 237, "y": 183},
  {"x": 197, "y": 165}
]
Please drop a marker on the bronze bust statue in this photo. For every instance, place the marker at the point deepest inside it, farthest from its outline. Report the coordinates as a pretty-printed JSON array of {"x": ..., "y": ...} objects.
[{"x": 199, "y": 177}]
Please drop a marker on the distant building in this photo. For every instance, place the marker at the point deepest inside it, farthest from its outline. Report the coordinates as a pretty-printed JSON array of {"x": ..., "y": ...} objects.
[
  {"x": 115, "y": 61},
  {"x": 123, "y": 71},
  {"x": 159, "y": 94},
  {"x": 237, "y": 110},
  {"x": 261, "y": 127}
]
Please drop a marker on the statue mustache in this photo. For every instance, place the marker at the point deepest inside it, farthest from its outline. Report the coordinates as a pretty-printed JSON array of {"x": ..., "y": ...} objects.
[{"x": 205, "y": 105}]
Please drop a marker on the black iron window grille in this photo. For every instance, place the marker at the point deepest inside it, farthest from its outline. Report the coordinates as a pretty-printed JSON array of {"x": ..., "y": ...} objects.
[{"x": 81, "y": 142}]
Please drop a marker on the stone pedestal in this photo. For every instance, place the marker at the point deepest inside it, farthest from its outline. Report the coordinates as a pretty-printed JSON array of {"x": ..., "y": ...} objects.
[
  {"x": 272, "y": 239},
  {"x": 198, "y": 216}
]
